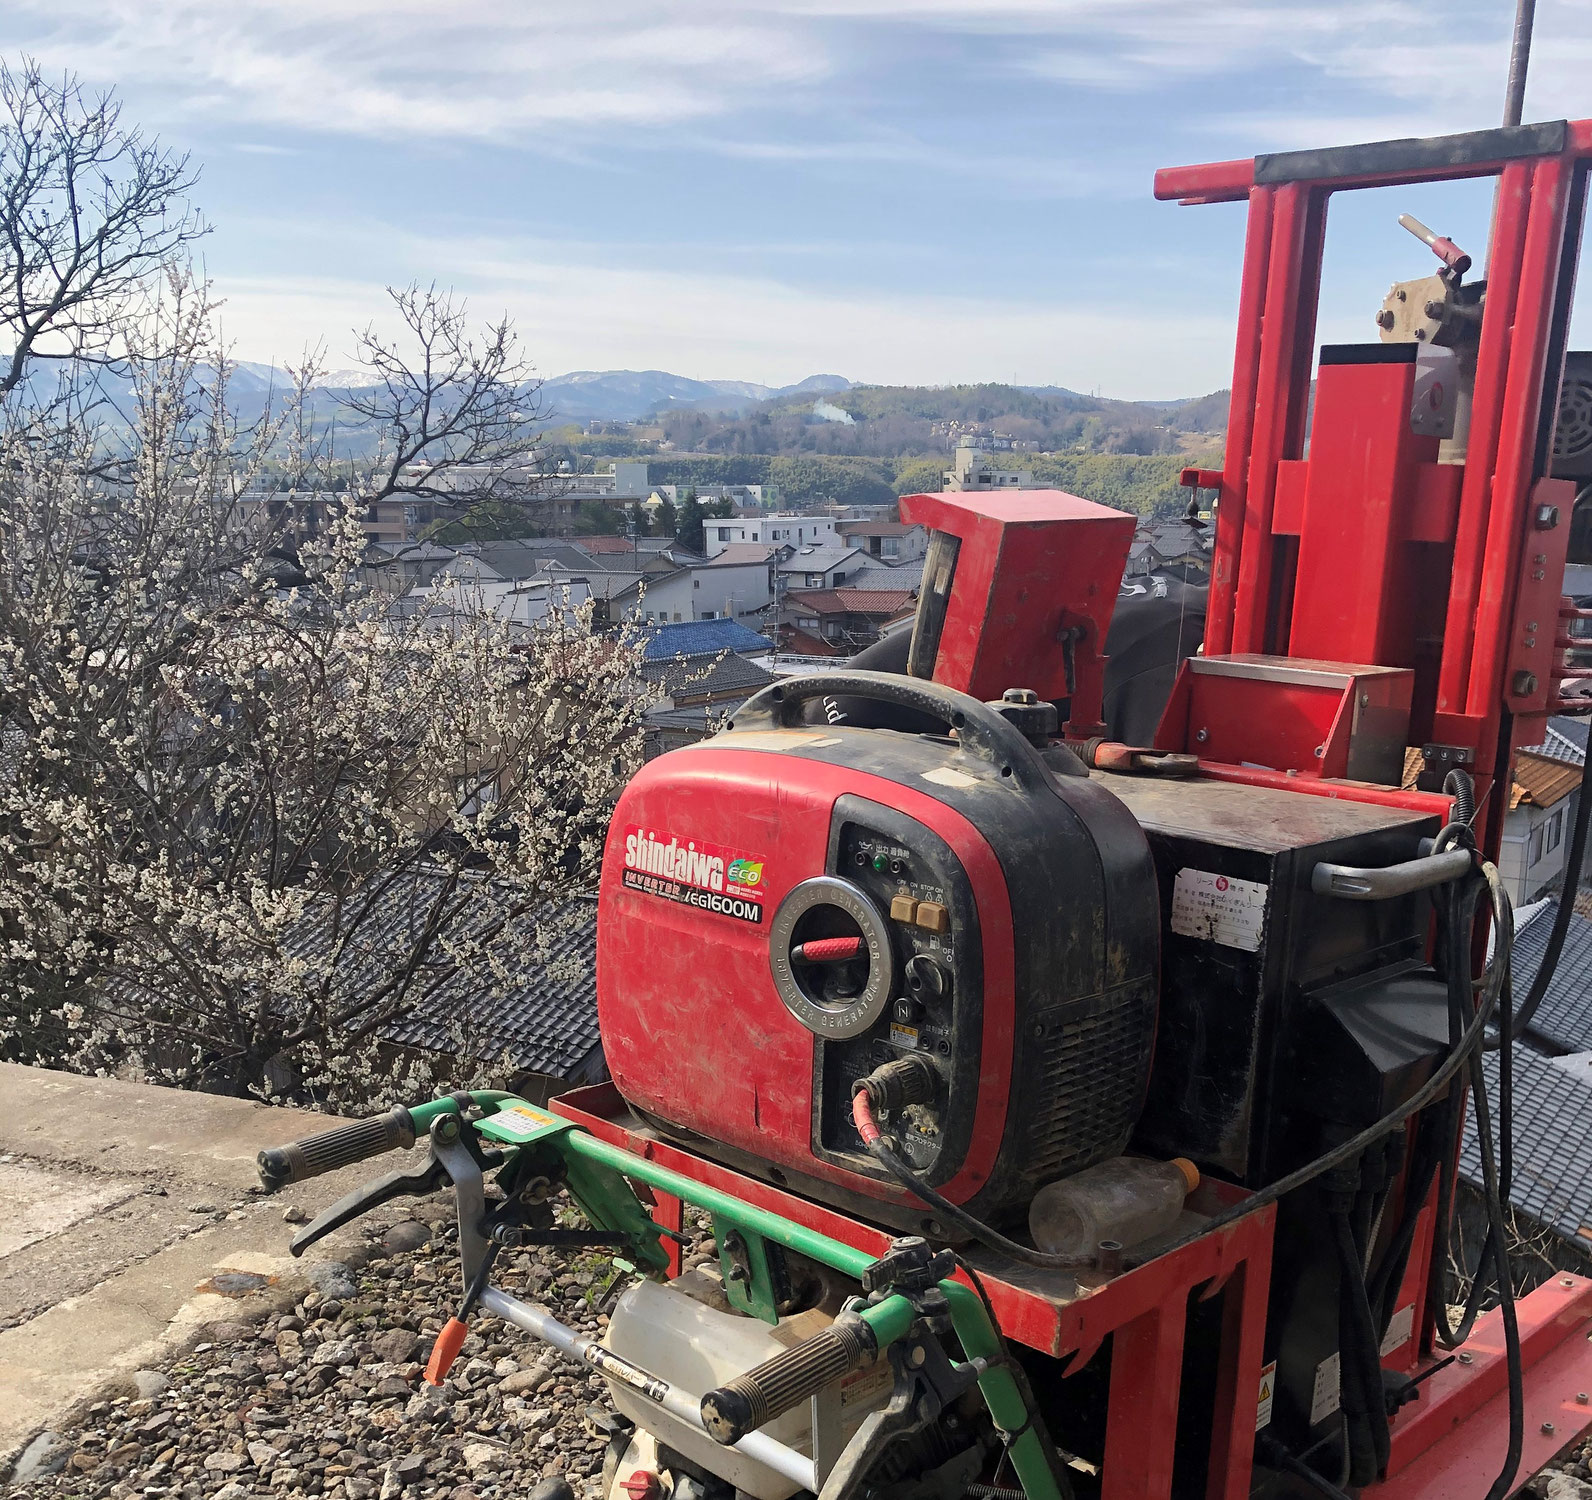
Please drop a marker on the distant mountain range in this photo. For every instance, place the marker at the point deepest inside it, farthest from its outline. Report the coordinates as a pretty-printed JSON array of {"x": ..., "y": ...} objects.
[
  {"x": 581, "y": 395},
  {"x": 628, "y": 395}
]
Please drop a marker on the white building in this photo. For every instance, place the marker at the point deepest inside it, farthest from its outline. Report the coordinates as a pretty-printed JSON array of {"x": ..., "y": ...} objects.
[
  {"x": 771, "y": 530},
  {"x": 889, "y": 541},
  {"x": 973, "y": 469}
]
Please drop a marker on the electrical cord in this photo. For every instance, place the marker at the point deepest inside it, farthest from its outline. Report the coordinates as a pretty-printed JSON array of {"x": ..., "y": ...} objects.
[{"x": 882, "y": 1152}]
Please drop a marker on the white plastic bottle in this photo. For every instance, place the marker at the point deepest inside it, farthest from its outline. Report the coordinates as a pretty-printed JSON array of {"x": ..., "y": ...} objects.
[{"x": 1127, "y": 1199}]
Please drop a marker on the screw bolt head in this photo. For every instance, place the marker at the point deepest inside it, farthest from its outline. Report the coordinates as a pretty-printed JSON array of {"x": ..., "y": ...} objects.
[
  {"x": 1465, "y": 1358},
  {"x": 1547, "y": 1427}
]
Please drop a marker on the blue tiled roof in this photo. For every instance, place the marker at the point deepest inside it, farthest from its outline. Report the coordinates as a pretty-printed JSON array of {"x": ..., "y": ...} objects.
[{"x": 703, "y": 638}]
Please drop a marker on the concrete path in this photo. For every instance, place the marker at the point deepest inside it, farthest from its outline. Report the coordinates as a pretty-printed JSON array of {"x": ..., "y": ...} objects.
[{"x": 122, "y": 1210}]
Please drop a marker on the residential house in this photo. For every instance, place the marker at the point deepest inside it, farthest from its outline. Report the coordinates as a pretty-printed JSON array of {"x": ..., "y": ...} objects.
[
  {"x": 818, "y": 567},
  {"x": 797, "y": 531},
  {"x": 839, "y": 621},
  {"x": 748, "y": 570},
  {"x": 699, "y": 694},
  {"x": 890, "y": 541}
]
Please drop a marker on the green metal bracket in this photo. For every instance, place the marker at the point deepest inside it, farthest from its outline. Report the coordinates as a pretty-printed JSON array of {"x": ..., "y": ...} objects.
[
  {"x": 748, "y": 1264},
  {"x": 602, "y": 1194}
]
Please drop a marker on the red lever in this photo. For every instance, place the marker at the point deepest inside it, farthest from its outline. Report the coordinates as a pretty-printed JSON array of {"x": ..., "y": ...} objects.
[
  {"x": 643, "y": 1484},
  {"x": 827, "y": 950}
]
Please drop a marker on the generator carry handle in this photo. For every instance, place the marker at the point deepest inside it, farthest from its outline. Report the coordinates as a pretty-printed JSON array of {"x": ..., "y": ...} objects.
[{"x": 982, "y": 733}]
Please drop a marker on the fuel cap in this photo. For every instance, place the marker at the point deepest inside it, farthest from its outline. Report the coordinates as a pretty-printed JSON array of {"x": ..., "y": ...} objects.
[{"x": 830, "y": 954}]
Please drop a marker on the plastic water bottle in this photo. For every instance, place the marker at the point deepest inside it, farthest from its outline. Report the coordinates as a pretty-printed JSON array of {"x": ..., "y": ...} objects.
[{"x": 1127, "y": 1199}]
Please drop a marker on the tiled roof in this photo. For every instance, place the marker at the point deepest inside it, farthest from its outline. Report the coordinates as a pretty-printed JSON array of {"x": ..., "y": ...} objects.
[
  {"x": 874, "y": 528},
  {"x": 1552, "y": 1140},
  {"x": 703, "y": 638},
  {"x": 706, "y": 676},
  {"x": 847, "y": 601},
  {"x": 880, "y": 575},
  {"x": 533, "y": 1006},
  {"x": 598, "y": 544},
  {"x": 812, "y": 559},
  {"x": 1565, "y": 1016},
  {"x": 739, "y": 554},
  {"x": 543, "y": 1019},
  {"x": 1542, "y": 780},
  {"x": 800, "y": 642}
]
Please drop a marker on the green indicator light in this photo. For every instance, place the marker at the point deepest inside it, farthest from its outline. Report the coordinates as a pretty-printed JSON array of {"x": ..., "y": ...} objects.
[{"x": 881, "y": 863}]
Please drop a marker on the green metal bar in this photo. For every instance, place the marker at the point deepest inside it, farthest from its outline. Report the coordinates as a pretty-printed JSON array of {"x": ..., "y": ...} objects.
[
  {"x": 770, "y": 1225},
  {"x": 424, "y": 1114},
  {"x": 889, "y": 1319},
  {"x": 1001, "y": 1393}
]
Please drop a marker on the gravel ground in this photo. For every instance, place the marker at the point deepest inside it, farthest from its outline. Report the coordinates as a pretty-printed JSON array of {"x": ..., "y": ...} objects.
[{"x": 326, "y": 1398}]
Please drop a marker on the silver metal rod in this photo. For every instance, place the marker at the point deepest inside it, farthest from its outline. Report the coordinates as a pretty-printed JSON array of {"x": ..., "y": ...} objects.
[
  {"x": 543, "y": 1325},
  {"x": 1353, "y": 883},
  {"x": 1519, "y": 60}
]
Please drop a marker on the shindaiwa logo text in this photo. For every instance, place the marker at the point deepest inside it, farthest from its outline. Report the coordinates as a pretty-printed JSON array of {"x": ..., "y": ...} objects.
[{"x": 694, "y": 873}]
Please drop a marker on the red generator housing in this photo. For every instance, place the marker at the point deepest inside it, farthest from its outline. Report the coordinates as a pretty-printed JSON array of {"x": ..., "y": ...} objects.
[{"x": 785, "y": 906}]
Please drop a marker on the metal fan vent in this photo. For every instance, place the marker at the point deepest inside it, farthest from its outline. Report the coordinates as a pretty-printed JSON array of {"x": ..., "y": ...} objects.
[{"x": 1572, "y": 439}]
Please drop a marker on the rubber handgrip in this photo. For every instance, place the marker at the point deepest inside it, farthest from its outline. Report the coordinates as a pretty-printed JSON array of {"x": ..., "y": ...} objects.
[
  {"x": 792, "y": 1376},
  {"x": 332, "y": 1149}
]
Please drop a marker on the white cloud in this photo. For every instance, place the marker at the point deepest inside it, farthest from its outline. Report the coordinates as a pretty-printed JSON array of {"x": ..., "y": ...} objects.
[
  {"x": 574, "y": 315},
  {"x": 520, "y": 73}
]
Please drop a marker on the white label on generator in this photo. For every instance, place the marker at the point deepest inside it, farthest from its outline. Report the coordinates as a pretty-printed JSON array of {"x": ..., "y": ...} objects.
[
  {"x": 1268, "y": 1393},
  {"x": 1399, "y": 1328},
  {"x": 1325, "y": 1395},
  {"x": 1219, "y": 908}
]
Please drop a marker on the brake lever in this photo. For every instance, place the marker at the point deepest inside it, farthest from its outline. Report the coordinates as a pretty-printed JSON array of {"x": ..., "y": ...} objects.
[{"x": 371, "y": 1195}]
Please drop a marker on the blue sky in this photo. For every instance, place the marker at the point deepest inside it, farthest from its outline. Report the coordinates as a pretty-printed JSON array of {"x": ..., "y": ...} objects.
[{"x": 891, "y": 190}]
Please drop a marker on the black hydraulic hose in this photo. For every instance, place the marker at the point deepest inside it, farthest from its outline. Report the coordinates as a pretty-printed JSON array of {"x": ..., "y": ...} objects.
[
  {"x": 1360, "y": 1358},
  {"x": 1498, "y": 1244},
  {"x": 1561, "y": 918},
  {"x": 1275, "y": 1454}
]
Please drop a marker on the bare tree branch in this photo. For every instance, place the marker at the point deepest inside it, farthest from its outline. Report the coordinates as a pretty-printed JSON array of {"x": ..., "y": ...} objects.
[{"x": 89, "y": 210}]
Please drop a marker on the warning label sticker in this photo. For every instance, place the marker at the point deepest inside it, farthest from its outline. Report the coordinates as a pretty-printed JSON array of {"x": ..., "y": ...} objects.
[
  {"x": 1268, "y": 1393},
  {"x": 1399, "y": 1328},
  {"x": 1326, "y": 1392},
  {"x": 1219, "y": 908}
]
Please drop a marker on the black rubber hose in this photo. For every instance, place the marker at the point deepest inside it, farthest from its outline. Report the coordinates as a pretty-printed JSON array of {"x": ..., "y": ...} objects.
[
  {"x": 1498, "y": 1243},
  {"x": 1351, "y": 1384},
  {"x": 1273, "y": 1453},
  {"x": 1359, "y": 1349},
  {"x": 1561, "y": 918},
  {"x": 965, "y": 1221}
]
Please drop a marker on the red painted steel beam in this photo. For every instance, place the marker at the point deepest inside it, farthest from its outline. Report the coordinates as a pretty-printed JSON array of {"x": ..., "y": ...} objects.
[
  {"x": 1214, "y": 182},
  {"x": 1522, "y": 411},
  {"x": 1240, "y": 424},
  {"x": 1141, "y": 1415},
  {"x": 1486, "y": 418},
  {"x": 1293, "y": 262},
  {"x": 1238, "y": 1377},
  {"x": 1449, "y": 1444}
]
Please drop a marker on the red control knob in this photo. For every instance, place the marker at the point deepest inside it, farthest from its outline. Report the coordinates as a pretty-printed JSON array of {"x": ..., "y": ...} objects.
[
  {"x": 642, "y": 1485},
  {"x": 834, "y": 950}
]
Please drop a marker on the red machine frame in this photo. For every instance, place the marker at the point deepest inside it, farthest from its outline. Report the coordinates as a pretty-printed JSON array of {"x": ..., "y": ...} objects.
[
  {"x": 1490, "y": 685},
  {"x": 1488, "y": 699}
]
